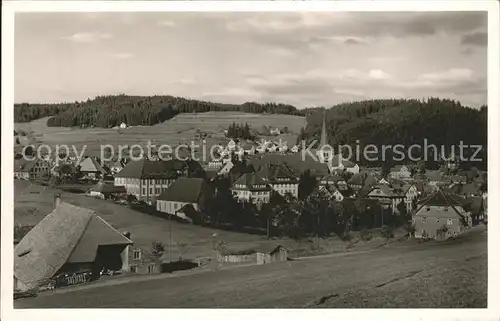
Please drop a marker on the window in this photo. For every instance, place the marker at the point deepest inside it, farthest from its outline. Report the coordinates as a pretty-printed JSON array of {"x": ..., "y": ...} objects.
[
  {"x": 424, "y": 219},
  {"x": 446, "y": 208},
  {"x": 144, "y": 191},
  {"x": 137, "y": 254},
  {"x": 450, "y": 221},
  {"x": 151, "y": 268},
  {"x": 427, "y": 208},
  {"x": 175, "y": 206},
  {"x": 133, "y": 268}
]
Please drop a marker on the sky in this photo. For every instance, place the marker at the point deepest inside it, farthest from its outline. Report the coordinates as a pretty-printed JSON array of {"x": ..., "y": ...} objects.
[{"x": 301, "y": 58}]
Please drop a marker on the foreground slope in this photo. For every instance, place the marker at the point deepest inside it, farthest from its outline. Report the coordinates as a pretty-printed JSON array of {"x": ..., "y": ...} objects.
[{"x": 432, "y": 275}]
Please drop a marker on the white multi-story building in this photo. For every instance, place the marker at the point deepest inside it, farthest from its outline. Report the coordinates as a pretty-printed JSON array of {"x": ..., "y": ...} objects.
[{"x": 251, "y": 188}]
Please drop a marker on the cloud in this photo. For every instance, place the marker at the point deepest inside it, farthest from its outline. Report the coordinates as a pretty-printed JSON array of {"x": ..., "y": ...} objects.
[
  {"x": 166, "y": 23},
  {"x": 301, "y": 30},
  {"x": 122, "y": 55},
  {"x": 479, "y": 39},
  {"x": 87, "y": 37}
]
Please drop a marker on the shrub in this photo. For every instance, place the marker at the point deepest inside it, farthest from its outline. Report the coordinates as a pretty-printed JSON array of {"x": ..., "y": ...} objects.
[{"x": 387, "y": 232}]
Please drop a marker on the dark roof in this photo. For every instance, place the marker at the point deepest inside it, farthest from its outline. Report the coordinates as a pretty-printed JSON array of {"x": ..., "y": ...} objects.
[
  {"x": 294, "y": 161},
  {"x": 186, "y": 189},
  {"x": 274, "y": 172},
  {"x": 145, "y": 168},
  {"x": 332, "y": 178},
  {"x": 268, "y": 248},
  {"x": 442, "y": 198},
  {"x": 251, "y": 181},
  {"x": 68, "y": 234},
  {"x": 357, "y": 179}
]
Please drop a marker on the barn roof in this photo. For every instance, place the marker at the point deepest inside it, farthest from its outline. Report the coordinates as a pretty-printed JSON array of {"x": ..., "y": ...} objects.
[
  {"x": 90, "y": 164},
  {"x": 68, "y": 234},
  {"x": 185, "y": 189}
]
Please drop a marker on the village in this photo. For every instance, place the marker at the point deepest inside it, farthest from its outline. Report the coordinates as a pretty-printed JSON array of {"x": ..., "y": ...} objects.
[{"x": 262, "y": 183}]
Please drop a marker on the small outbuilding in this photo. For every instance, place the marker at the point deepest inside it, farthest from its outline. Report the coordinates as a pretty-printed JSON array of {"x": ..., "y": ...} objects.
[{"x": 270, "y": 253}]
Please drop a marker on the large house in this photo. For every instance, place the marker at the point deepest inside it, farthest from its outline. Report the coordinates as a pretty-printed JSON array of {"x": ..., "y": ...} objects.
[
  {"x": 334, "y": 179},
  {"x": 251, "y": 188},
  {"x": 70, "y": 245},
  {"x": 147, "y": 179},
  {"x": 184, "y": 191},
  {"x": 441, "y": 216},
  {"x": 281, "y": 179},
  {"x": 91, "y": 168},
  {"x": 400, "y": 172},
  {"x": 31, "y": 169},
  {"x": 388, "y": 196}
]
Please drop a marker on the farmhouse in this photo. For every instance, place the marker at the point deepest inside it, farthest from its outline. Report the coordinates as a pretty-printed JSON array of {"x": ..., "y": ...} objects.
[
  {"x": 70, "y": 245},
  {"x": 142, "y": 262},
  {"x": 31, "y": 169},
  {"x": 184, "y": 191},
  {"x": 91, "y": 168},
  {"x": 441, "y": 216},
  {"x": 281, "y": 179},
  {"x": 251, "y": 188}
]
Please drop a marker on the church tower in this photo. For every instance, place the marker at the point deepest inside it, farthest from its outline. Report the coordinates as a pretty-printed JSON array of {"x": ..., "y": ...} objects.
[{"x": 324, "y": 151}]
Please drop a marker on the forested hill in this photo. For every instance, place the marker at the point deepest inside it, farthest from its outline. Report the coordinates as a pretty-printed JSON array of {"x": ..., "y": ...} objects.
[
  {"x": 110, "y": 111},
  {"x": 401, "y": 121}
]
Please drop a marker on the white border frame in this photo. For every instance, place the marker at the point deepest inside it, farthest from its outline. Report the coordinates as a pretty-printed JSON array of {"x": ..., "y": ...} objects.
[{"x": 10, "y": 7}]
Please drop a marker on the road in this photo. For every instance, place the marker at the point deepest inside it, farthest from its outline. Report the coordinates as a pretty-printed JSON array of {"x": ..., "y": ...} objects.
[{"x": 437, "y": 274}]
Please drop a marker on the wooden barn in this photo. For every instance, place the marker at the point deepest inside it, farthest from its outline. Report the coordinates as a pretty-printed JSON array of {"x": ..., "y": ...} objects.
[{"x": 271, "y": 253}]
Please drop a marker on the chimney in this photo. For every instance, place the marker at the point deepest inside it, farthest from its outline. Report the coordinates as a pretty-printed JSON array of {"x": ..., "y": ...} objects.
[
  {"x": 127, "y": 234},
  {"x": 57, "y": 200}
]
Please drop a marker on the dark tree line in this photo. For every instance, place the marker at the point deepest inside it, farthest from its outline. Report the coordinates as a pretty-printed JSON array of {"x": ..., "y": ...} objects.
[
  {"x": 239, "y": 131},
  {"x": 441, "y": 122},
  {"x": 110, "y": 111}
]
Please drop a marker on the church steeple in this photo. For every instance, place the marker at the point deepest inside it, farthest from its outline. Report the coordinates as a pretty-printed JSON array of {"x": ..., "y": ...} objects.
[{"x": 323, "y": 141}]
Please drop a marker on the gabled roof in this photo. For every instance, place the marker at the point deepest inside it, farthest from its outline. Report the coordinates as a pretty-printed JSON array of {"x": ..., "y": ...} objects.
[
  {"x": 149, "y": 169},
  {"x": 272, "y": 172},
  {"x": 294, "y": 162},
  {"x": 442, "y": 198},
  {"x": 68, "y": 234},
  {"x": 90, "y": 164},
  {"x": 335, "y": 178},
  {"x": 251, "y": 181},
  {"x": 185, "y": 189}
]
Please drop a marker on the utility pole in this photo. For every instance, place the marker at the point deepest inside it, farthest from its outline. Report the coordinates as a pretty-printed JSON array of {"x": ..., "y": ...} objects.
[
  {"x": 382, "y": 215},
  {"x": 170, "y": 241}
]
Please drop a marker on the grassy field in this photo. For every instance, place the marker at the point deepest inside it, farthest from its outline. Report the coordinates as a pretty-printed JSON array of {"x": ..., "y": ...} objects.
[
  {"x": 451, "y": 274},
  {"x": 180, "y": 129},
  {"x": 33, "y": 202}
]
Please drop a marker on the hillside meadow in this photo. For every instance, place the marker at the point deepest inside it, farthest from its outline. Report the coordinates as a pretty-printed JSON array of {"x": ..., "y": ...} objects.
[{"x": 179, "y": 130}]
